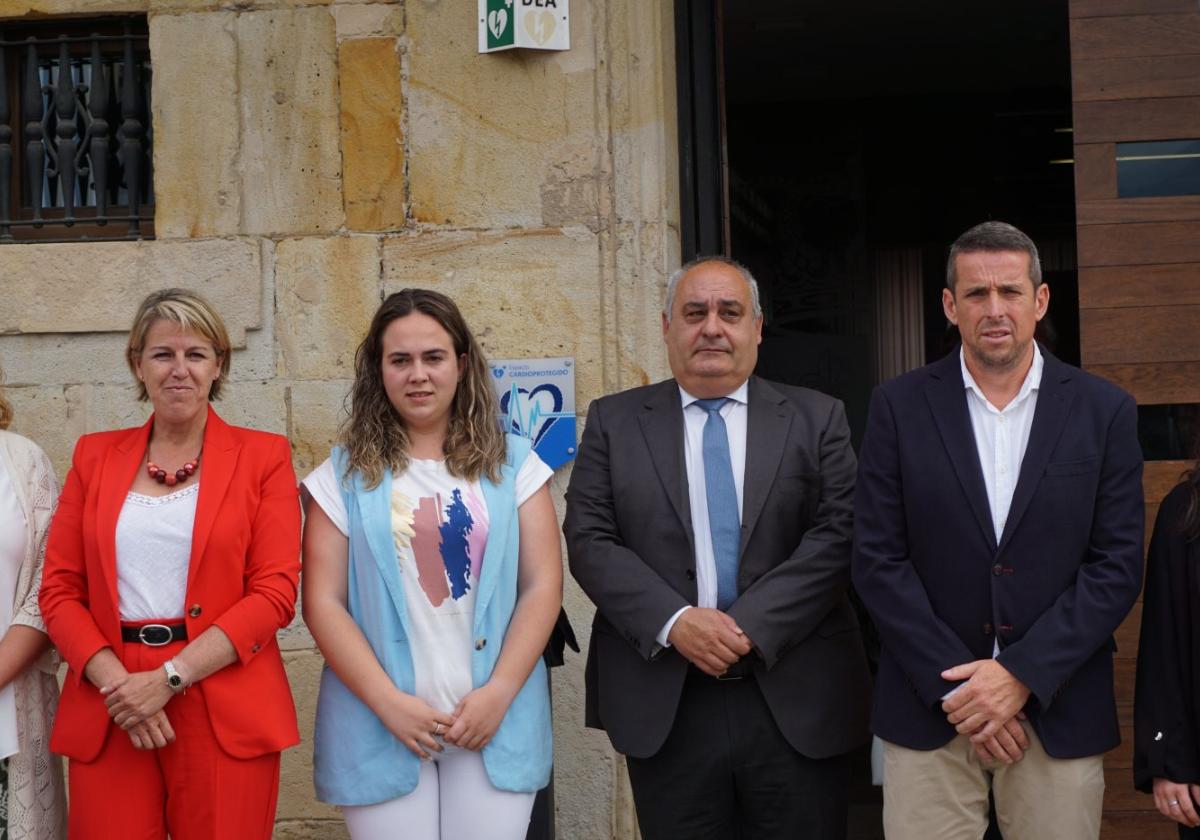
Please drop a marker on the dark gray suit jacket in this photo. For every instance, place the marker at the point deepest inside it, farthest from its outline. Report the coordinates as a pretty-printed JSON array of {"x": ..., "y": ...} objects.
[{"x": 629, "y": 538}]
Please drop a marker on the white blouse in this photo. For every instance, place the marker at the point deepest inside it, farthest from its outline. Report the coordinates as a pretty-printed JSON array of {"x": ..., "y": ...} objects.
[{"x": 154, "y": 546}]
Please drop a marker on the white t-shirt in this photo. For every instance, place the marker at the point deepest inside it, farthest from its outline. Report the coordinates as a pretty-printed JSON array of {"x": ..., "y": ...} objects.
[{"x": 439, "y": 528}]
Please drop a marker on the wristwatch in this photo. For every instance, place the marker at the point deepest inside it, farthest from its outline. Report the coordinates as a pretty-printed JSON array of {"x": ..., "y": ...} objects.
[{"x": 174, "y": 681}]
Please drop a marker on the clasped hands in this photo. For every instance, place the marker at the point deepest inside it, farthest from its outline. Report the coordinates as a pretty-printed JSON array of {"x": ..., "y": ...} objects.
[
  {"x": 988, "y": 708},
  {"x": 709, "y": 639},
  {"x": 471, "y": 725},
  {"x": 135, "y": 703}
]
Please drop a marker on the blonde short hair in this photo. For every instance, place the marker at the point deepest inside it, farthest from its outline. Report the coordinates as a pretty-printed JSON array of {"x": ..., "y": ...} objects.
[{"x": 191, "y": 312}]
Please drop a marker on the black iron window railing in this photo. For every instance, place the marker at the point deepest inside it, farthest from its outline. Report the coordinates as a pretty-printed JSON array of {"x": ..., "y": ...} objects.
[{"x": 75, "y": 133}]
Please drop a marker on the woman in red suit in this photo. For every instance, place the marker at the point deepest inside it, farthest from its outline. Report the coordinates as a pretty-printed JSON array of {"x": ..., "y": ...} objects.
[{"x": 172, "y": 562}]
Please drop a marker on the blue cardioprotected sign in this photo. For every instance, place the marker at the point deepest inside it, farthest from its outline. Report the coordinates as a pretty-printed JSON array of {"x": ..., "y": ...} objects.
[{"x": 537, "y": 401}]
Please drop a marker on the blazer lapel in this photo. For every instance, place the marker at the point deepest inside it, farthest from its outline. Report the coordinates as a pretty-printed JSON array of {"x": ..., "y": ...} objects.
[
  {"x": 662, "y": 426},
  {"x": 767, "y": 424},
  {"x": 220, "y": 457},
  {"x": 1055, "y": 395},
  {"x": 947, "y": 398},
  {"x": 121, "y": 464}
]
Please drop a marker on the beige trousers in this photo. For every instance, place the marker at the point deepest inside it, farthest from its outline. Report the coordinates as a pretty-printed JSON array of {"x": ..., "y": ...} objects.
[{"x": 942, "y": 794}]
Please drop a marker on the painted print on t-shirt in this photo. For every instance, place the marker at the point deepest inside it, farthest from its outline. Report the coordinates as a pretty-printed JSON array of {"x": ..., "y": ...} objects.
[{"x": 446, "y": 541}]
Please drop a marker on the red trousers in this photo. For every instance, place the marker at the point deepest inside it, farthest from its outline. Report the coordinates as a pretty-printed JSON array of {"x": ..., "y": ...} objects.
[{"x": 191, "y": 788}]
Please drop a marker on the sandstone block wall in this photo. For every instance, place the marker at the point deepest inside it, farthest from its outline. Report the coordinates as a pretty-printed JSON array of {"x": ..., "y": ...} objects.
[{"x": 312, "y": 156}]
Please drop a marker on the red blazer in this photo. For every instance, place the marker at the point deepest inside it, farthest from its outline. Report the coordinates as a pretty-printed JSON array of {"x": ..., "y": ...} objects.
[{"x": 242, "y": 576}]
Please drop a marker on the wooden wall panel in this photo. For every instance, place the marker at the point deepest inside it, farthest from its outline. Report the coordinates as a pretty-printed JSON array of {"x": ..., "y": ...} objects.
[
  {"x": 1127, "y": 633},
  {"x": 1139, "y": 35},
  {"x": 1173, "y": 208},
  {"x": 1134, "y": 120},
  {"x": 1155, "y": 384},
  {"x": 1124, "y": 670},
  {"x": 1161, "y": 476},
  {"x": 1138, "y": 243},
  {"x": 1134, "y": 825},
  {"x": 1119, "y": 794},
  {"x": 1096, "y": 172},
  {"x": 1136, "y": 78},
  {"x": 1148, "y": 335},
  {"x": 1121, "y": 757},
  {"x": 1171, "y": 284},
  {"x": 1110, "y": 8}
]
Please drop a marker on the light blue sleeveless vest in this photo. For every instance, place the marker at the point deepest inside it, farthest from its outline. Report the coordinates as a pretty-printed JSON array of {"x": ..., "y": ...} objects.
[{"x": 357, "y": 760}]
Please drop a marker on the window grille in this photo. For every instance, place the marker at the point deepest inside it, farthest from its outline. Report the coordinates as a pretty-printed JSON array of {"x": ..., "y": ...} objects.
[{"x": 76, "y": 141}]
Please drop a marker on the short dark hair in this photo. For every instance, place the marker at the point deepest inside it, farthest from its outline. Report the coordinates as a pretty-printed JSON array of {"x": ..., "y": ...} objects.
[{"x": 994, "y": 237}]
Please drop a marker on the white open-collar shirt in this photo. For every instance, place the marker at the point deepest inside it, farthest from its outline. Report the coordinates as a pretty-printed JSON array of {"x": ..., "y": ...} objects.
[
  {"x": 734, "y": 413},
  {"x": 1001, "y": 437}
]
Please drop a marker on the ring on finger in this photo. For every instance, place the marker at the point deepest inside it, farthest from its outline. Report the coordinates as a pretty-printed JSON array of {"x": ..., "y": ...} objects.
[
  {"x": 1174, "y": 803},
  {"x": 437, "y": 729}
]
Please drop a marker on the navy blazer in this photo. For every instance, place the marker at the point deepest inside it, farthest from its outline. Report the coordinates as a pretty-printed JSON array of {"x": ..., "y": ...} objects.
[{"x": 1050, "y": 590}]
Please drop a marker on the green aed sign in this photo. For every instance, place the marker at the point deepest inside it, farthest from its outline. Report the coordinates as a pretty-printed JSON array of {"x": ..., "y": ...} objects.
[
  {"x": 498, "y": 25},
  {"x": 531, "y": 24}
]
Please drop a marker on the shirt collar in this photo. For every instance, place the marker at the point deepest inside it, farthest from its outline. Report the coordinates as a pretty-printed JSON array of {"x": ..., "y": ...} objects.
[
  {"x": 1033, "y": 379},
  {"x": 739, "y": 394}
]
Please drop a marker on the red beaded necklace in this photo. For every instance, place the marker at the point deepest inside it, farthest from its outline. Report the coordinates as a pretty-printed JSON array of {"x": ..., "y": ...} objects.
[{"x": 171, "y": 479}]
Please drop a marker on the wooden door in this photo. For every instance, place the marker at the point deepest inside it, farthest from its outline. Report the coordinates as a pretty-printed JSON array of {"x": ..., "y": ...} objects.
[{"x": 1136, "y": 78}]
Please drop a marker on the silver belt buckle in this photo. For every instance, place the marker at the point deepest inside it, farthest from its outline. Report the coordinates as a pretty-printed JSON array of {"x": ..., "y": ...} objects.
[{"x": 142, "y": 637}]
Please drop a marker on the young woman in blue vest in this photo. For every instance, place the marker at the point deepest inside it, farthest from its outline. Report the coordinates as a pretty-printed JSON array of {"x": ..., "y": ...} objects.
[{"x": 432, "y": 579}]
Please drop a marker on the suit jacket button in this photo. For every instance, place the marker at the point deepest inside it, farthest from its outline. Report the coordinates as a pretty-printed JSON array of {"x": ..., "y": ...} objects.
[
  {"x": 987, "y": 628},
  {"x": 194, "y": 611},
  {"x": 255, "y": 648},
  {"x": 997, "y": 570},
  {"x": 691, "y": 574},
  {"x": 480, "y": 643}
]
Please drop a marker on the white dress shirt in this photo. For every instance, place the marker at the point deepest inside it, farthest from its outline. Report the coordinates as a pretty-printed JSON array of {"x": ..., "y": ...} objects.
[
  {"x": 694, "y": 417},
  {"x": 1001, "y": 436}
]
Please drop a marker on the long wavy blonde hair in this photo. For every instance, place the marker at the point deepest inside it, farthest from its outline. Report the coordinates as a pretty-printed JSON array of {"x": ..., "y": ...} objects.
[
  {"x": 374, "y": 435},
  {"x": 6, "y": 413}
]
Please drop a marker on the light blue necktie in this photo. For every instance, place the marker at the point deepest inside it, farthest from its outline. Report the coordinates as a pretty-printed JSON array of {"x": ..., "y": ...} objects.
[{"x": 724, "y": 517}]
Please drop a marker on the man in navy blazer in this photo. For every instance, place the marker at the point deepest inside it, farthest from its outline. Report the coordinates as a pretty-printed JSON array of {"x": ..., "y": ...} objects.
[{"x": 998, "y": 544}]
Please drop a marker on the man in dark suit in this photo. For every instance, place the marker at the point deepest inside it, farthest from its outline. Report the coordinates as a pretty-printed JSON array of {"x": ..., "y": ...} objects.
[
  {"x": 998, "y": 544},
  {"x": 709, "y": 519}
]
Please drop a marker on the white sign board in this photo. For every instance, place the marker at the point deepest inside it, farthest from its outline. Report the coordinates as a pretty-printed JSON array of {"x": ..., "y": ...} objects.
[
  {"x": 532, "y": 24},
  {"x": 537, "y": 401}
]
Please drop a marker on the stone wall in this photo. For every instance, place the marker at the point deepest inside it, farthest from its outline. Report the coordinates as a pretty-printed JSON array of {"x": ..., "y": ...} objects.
[{"x": 311, "y": 157}]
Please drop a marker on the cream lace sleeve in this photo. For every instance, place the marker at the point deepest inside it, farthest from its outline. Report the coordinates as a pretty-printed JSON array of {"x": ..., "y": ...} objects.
[{"x": 43, "y": 499}]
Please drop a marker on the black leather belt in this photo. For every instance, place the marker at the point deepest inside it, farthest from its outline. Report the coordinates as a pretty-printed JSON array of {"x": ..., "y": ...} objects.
[
  {"x": 155, "y": 635},
  {"x": 740, "y": 670}
]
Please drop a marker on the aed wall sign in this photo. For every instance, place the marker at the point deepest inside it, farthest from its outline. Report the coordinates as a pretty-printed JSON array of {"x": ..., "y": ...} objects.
[{"x": 534, "y": 24}]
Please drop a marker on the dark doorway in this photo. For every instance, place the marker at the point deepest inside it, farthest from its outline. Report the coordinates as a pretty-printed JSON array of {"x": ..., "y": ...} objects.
[{"x": 838, "y": 150}]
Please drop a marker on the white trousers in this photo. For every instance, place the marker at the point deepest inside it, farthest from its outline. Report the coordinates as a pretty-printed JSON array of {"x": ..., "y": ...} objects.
[{"x": 453, "y": 800}]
